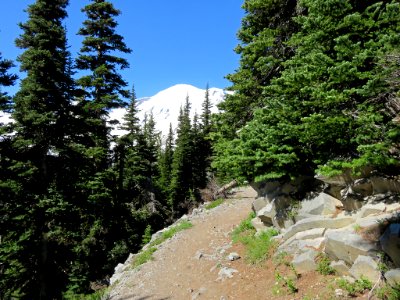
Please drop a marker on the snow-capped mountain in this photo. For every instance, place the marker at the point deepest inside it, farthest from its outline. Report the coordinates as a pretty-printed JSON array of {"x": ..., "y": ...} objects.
[{"x": 166, "y": 105}]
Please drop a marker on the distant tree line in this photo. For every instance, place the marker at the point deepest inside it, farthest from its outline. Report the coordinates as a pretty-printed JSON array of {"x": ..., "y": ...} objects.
[{"x": 74, "y": 200}]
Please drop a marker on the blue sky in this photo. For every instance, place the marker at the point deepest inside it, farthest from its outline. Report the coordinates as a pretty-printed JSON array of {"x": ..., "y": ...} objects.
[{"x": 172, "y": 42}]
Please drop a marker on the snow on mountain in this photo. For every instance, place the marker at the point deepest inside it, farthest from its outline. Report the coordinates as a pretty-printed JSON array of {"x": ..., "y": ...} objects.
[{"x": 166, "y": 104}]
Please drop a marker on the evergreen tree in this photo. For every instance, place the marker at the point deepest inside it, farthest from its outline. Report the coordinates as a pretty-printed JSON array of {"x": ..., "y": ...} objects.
[
  {"x": 325, "y": 112},
  {"x": 6, "y": 79},
  {"x": 104, "y": 87},
  {"x": 165, "y": 164},
  {"x": 39, "y": 216},
  {"x": 182, "y": 191},
  {"x": 266, "y": 28}
]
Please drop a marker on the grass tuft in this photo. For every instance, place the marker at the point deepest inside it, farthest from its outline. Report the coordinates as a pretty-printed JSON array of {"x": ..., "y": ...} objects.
[
  {"x": 147, "y": 254},
  {"x": 215, "y": 203},
  {"x": 258, "y": 248},
  {"x": 324, "y": 265}
]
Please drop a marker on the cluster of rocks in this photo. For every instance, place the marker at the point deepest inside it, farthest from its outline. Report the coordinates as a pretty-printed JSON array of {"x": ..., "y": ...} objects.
[{"x": 351, "y": 220}]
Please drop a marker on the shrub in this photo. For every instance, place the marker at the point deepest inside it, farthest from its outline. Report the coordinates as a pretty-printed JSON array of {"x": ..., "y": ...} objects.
[{"x": 323, "y": 265}]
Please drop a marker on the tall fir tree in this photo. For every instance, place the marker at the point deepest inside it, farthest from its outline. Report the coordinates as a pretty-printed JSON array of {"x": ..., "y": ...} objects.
[
  {"x": 266, "y": 28},
  {"x": 38, "y": 236},
  {"x": 165, "y": 163},
  {"x": 181, "y": 195},
  {"x": 6, "y": 79},
  {"x": 104, "y": 87}
]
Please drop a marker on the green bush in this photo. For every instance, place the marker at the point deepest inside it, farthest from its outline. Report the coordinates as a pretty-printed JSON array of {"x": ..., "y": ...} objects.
[{"x": 323, "y": 265}]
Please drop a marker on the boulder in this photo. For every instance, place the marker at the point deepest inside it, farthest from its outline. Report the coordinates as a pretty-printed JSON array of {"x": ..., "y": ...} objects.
[
  {"x": 390, "y": 242},
  {"x": 317, "y": 222},
  {"x": 305, "y": 262},
  {"x": 371, "y": 209},
  {"x": 384, "y": 185},
  {"x": 259, "y": 225},
  {"x": 362, "y": 186},
  {"x": 340, "y": 267},
  {"x": 301, "y": 246},
  {"x": 344, "y": 244},
  {"x": 305, "y": 235},
  {"x": 267, "y": 213},
  {"x": 259, "y": 203},
  {"x": 365, "y": 266},
  {"x": 323, "y": 204},
  {"x": 393, "y": 277}
]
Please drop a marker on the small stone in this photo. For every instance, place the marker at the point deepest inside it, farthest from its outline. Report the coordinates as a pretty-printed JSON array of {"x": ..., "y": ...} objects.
[
  {"x": 226, "y": 272},
  {"x": 339, "y": 293},
  {"x": 233, "y": 256},
  {"x": 198, "y": 255}
]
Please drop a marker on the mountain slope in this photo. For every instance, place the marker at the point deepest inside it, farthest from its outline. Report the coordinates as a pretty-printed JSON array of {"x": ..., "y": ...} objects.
[{"x": 166, "y": 104}]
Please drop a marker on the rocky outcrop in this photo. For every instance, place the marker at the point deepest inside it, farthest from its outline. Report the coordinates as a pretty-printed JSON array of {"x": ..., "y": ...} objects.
[{"x": 343, "y": 216}]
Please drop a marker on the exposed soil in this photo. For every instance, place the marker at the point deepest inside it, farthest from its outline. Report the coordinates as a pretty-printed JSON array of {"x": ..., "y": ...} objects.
[{"x": 187, "y": 265}]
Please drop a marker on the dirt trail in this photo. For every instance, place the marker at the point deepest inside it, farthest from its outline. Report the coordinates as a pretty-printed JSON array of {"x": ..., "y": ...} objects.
[{"x": 187, "y": 266}]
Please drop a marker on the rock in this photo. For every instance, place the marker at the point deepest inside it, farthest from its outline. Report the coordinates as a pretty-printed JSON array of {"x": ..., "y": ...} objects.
[
  {"x": 233, "y": 256},
  {"x": 339, "y": 293},
  {"x": 226, "y": 272},
  {"x": 365, "y": 266},
  {"x": 119, "y": 268},
  {"x": 305, "y": 262},
  {"x": 323, "y": 204},
  {"x": 267, "y": 213},
  {"x": 259, "y": 225},
  {"x": 390, "y": 242},
  {"x": 392, "y": 207},
  {"x": 295, "y": 246},
  {"x": 393, "y": 277},
  {"x": 340, "y": 267},
  {"x": 373, "y": 221},
  {"x": 317, "y": 222},
  {"x": 371, "y": 209},
  {"x": 384, "y": 185},
  {"x": 305, "y": 235},
  {"x": 259, "y": 203},
  {"x": 362, "y": 186},
  {"x": 344, "y": 244},
  {"x": 198, "y": 255}
]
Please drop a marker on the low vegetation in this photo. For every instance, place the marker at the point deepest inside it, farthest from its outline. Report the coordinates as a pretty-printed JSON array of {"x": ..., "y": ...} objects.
[
  {"x": 258, "y": 247},
  {"x": 355, "y": 288},
  {"x": 147, "y": 254},
  {"x": 323, "y": 265},
  {"x": 215, "y": 203}
]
